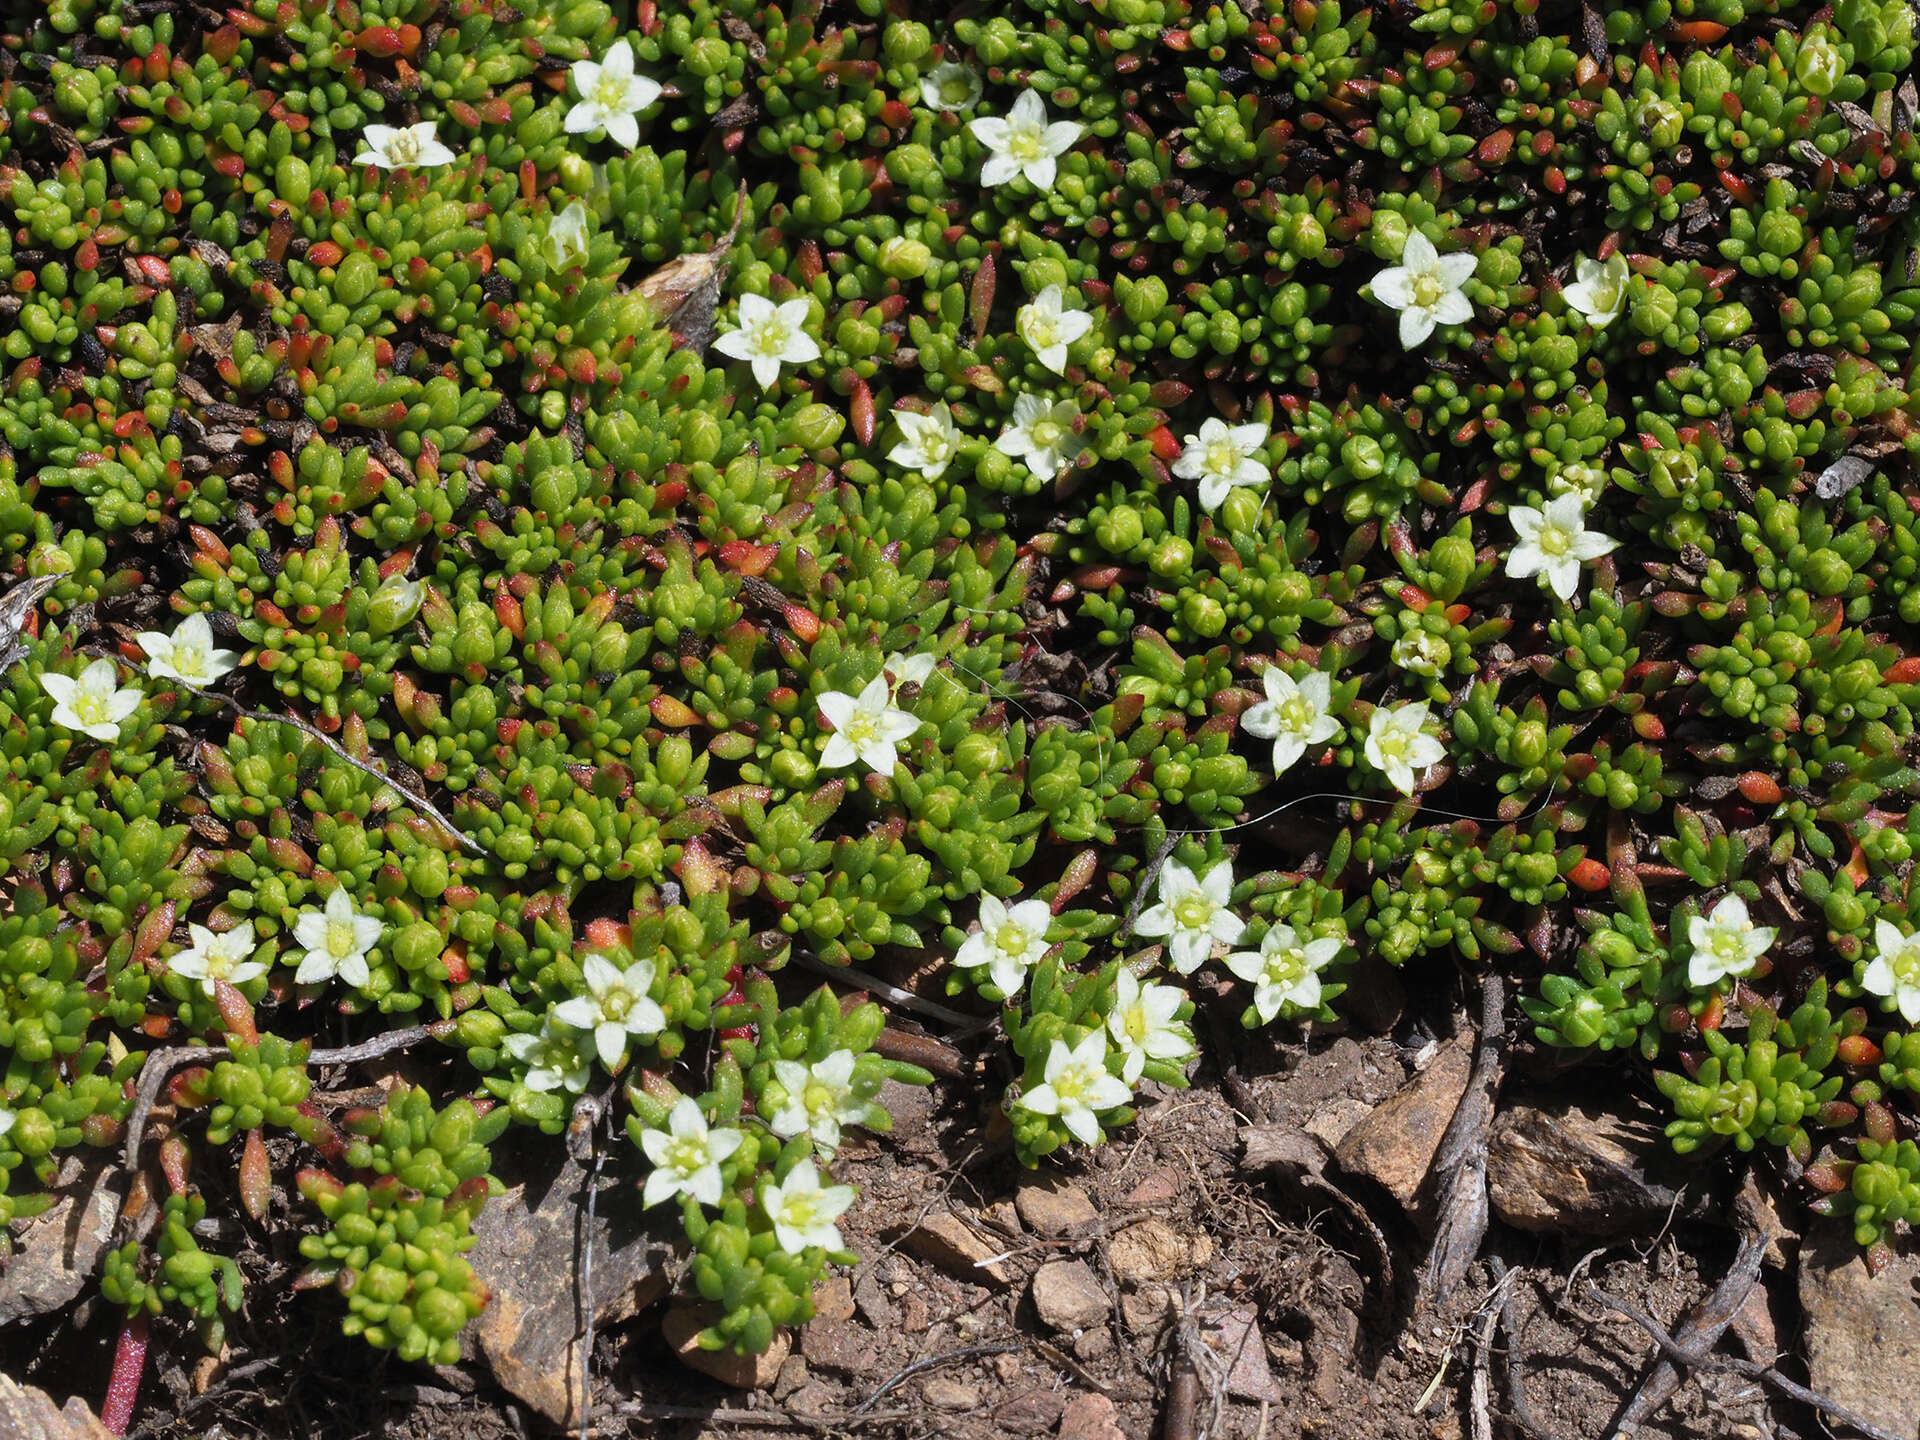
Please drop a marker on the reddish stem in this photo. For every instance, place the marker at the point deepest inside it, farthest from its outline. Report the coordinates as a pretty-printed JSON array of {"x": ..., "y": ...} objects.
[{"x": 129, "y": 1364}]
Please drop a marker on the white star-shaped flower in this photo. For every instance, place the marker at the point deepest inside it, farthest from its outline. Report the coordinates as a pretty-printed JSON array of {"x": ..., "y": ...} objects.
[
  {"x": 818, "y": 1099},
  {"x": 950, "y": 87},
  {"x": 928, "y": 442},
  {"x": 1895, "y": 970},
  {"x": 1142, "y": 1024},
  {"x": 866, "y": 727},
  {"x": 1049, "y": 327},
  {"x": 1009, "y": 942},
  {"x": 556, "y": 1059},
  {"x": 1283, "y": 971},
  {"x": 94, "y": 704},
  {"x": 770, "y": 336},
  {"x": 1023, "y": 143},
  {"x": 803, "y": 1210},
  {"x": 618, "y": 1006},
  {"x": 567, "y": 236},
  {"x": 1425, "y": 288},
  {"x": 337, "y": 941},
  {"x": 611, "y": 95},
  {"x": 1077, "y": 1086},
  {"x": 1042, "y": 435},
  {"x": 1725, "y": 942},
  {"x": 1421, "y": 652},
  {"x": 1222, "y": 456},
  {"x": 1397, "y": 745},
  {"x": 188, "y": 654},
  {"x": 1600, "y": 291},
  {"x": 1293, "y": 716},
  {"x": 1555, "y": 542},
  {"x": 687, "y": 1155},
  {"x": 214, "y": 957},
  {"x": 1193, "y": 910},
  {"x": 403, "y": 147}
]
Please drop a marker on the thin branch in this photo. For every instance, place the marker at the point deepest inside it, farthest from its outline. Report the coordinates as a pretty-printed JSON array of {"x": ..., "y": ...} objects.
[
  {"x": 159, "y": 1064},
  {"x": 1147, "y": 877},
  {"x": 383, "y": 1044},
  {"x": 227, "y": 1382},
  {"x": 931, "y": 1362},
  {"x": 1766, "y": 1374},
  {"x": 153, "y": 1074},
  {"x": 418, "y": 802}
]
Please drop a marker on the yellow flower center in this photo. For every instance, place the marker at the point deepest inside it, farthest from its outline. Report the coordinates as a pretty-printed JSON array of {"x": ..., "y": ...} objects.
[
  {"x": 686, "y": 1155},
  {"x": 340, "y": 938},
  {"x": 772, "y": 337},
  {"x": 1288, "y": 967},
  {"x": 1026, "y": 146},
  {"x": 610, "y": 93},
  {"x": 1194, "y": 911},
  {"x": 1428, "y": 287},
  {"x": 1013, "y": 939},
  {"x": 91, "y": 707},
  {"x": 1072, "y": 1085},
  {"x": 1222, "y": 457},
  {"x": 955, "y": 89},
  {"x": 1393, "y": 745},
  {"x": 1042, "y": 329},
  {"x": 403, "y": 148},
  {"x": 1296, "y": 714},
  {"x": 1554, "y": 541},
  {"x": 1045, "y": 432},
  {"x": 861, "y": 728}
]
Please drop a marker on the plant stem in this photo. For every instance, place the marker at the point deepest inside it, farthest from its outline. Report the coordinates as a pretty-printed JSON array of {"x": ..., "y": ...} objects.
[{"x": 123, "y": 1384}]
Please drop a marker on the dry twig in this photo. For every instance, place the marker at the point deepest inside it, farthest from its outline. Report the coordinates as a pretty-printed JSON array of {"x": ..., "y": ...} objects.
[
  {"x": 159, "y": 1064},
  {"x": 1459, "y": 1171},
  {"x": 1699, "y": 1332},
  {"x": 418, "y": 802},
  {"x": 1700, "y": 1357}
]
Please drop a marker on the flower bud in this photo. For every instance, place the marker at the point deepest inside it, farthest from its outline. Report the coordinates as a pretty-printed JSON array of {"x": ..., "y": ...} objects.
[
  {"x": 1145, "y": 299},
  {"x": 814, "y": 427},
  {"x": 1172, "y": 557},
  {"x": 904, "y": 259},
  {"x": 1661, "y": 121},
  {"x": 395, "y": 603},
  {"x": 49, "y": 559},
  {"x": 1819, "y": 66},
  {"x": 1204, "y": 614},
  {"x": 1363, "y": 457},
  {"x": 905, "y": 41},
  {"x": 1123, "y": 529}
]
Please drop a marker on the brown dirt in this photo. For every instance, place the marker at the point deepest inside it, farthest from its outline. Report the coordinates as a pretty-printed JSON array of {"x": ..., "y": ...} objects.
[{"x": 1345, "y": 1361}]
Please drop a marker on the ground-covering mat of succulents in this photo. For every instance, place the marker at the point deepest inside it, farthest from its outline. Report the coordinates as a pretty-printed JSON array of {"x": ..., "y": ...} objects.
[{"x": 1083, "y": 717}]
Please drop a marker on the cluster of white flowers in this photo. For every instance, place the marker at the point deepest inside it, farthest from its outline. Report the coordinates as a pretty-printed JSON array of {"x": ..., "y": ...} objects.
[{"x": 1194, "y": 916}]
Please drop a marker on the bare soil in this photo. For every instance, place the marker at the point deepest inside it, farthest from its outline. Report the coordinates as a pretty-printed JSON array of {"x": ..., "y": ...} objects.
[{"x": 917, "y": 1346}]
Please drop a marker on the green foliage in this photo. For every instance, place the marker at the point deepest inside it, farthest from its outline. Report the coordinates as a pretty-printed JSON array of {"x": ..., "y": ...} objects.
[{"x": 446, "y": 464}]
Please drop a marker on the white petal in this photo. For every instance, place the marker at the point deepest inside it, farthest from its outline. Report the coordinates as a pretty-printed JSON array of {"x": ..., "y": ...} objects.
[
  {"x": 1418, "y": 253},
  {"x": 1039, "y": 173},
  {"x": 1415, "y": 326},
  {"x": 1060, "y": 136},
  {"x": 623, "y": 129},
  {"x": 1452, "y": 308}
]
